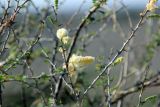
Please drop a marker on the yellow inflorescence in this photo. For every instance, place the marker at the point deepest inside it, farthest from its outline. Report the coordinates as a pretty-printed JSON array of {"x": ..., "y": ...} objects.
[
  {"x": 71, "y": 69},
  {"x": 61, "y": 50},
  {"x": 151, "y": 5},
  {"x": 66, "y": 39},
  {"x": 78, "y": 62},
  {"x": 62, "y": 35}
]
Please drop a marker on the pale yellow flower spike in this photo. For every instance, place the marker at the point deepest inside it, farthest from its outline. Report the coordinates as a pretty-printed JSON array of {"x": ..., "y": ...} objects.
[
  {"x": 61, "y": 50},
  {"x": 87, "y": 60},
  {"x": 151, "y": 5},
  {"x": 66, "y": 39},
  {"x": 78, "y": 62},
  {"x": 62, "y": 33},
  {"x": 81, "y": 61},
  {"x": 71, "y": 69}
]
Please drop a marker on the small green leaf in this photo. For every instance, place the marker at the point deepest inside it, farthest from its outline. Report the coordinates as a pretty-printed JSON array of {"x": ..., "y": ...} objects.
[
  {"x": 94, "y": 1},
  {"x": 59, "y": 70},
  {"x": 154, "y": 16},
  {"x": 56, "y": 4},
  {"x": 44, "y": 76},
  {"x": 24, "y": 78},
  {"x": 118, "y": 61},
  {"x": 152, "y": 99},
  {"x": 2, "y": 77},
  {"x": 51, "y": 20}
]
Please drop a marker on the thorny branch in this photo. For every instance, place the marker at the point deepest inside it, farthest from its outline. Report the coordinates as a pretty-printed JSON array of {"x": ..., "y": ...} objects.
[
  {"x": 118, "y": 53},
  {"x": 36, "y": 40},
  {"x": 153, "y": 81},
  {"x": 81, "y": 25},
  {"x": 59, "y": 78},
  {"x": 10, "y": 21}
]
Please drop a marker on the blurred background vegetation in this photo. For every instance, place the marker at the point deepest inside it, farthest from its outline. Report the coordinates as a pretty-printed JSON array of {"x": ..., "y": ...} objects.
[{"x": 32, "y": 67}]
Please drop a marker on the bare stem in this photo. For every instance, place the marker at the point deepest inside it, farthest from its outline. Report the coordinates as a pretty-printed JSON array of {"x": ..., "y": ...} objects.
[
  {"x": 79, "y": 28},
  {"x": 118, "y": 53}
]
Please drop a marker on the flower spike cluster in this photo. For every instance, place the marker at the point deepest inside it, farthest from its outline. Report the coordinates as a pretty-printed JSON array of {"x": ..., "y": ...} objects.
[
  {"x": 151, "y": 5},
  {"x": 77, "y": 63},
  {"x": 62, "y": 35}
]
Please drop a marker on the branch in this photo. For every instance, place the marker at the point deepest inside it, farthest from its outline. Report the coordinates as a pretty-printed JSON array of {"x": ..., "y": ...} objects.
[
  {"x": 153, "y": 81},
  {"x": 36, "y": 40},
  {"x": 79, "y": 28},
  {"x": 10, "y": 21},
  {"x": 119, "y": 52}
]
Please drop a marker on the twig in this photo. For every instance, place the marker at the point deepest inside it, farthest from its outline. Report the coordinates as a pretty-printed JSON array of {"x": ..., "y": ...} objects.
[
  {"x": 39, "y": 91},
  {"x": 5, "y": 42},
  {"x": 118, "y": 53},
  {"x": 108, "y": 89},
  {"x": 48, "y": 58},
  {"x": 37, "y": 38},
  {"x": 1, "y": 94},
  {"x": 75, "y": 14},
  {"x": 142, "y": 87},
  {"x": 79, "y": 28},
  {"x": 153, "y": 81},
  {"x": 24, "y": 100},
  {"x": 24, "y": 96},
  {"x": 54, "y": 53},
  {"x": 10, "y": 21},
  {"x": 123, "y": 75}
]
